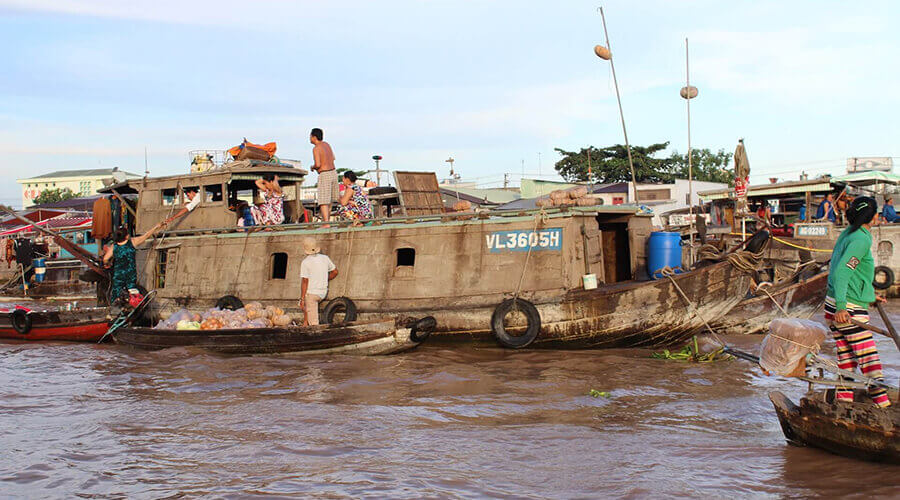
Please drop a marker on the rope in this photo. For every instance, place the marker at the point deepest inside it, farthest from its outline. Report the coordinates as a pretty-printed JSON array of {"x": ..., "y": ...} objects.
[
  {"x": 779, "y": 240},
  {"x": 760, "y": 287},
  {"x": 808, "y": 347},
  {"x": 743, "y": 260},
  {"x": 776, "y": 238},
  {"x": 538, "y": 218},
  {"x": 669, "y": 273},
  {"x": 349, "y": 252}
]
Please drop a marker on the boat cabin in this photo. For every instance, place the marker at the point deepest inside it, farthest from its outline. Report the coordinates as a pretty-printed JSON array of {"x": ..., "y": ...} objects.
[{"x": 220, "y": 190}]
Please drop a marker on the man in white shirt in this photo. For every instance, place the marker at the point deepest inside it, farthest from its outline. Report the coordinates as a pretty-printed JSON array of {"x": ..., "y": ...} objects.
[
  {"x": 316, "y": 271},
  {"x": 191, "y": 204}
]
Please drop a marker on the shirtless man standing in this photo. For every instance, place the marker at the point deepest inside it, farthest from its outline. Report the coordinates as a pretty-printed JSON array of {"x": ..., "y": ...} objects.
[{"x": 323, "y": 163}]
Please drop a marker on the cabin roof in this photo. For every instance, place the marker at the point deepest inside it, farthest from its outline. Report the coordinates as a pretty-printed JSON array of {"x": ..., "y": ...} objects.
[
  {"x": 91, "y": 172},
  {"x": 779, "y": 188},
  {"x": 243, "y": 172}
]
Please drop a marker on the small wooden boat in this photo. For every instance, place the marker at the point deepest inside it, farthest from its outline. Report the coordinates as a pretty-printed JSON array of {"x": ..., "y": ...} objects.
[
  {"x": 361, "y": 338},
  {"x": 800, "y": 299},
  {"x": 79, "y": 325},
  {"x": 857, "y": 430}
]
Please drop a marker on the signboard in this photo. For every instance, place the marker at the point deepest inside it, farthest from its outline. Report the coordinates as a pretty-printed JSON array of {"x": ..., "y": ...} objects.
[
  {"x": 812, "y": 230},
  {"x": 869, "y": 164},
  {"x": 522, "y": 241}
]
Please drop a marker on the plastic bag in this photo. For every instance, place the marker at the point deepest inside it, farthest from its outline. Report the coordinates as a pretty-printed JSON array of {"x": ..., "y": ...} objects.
[{"x": 785, "y": 348}]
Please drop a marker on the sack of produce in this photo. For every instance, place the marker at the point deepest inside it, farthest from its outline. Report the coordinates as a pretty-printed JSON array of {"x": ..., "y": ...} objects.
[
  {"x": 577, "y": 192},
  {"x": 187, "y": 325},
  {"x": 282, "y": 320},
  {"x": 784, "y": 349},
  {"x": 543, "y": 202},
  {"x": 558, "y": 196},
  {"x": 587, "y": 201}
]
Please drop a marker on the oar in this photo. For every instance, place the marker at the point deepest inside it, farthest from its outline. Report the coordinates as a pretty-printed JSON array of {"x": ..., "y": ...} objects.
[
  {"x": 873, "y": 328},
  {"x": 887, "y": 322}
]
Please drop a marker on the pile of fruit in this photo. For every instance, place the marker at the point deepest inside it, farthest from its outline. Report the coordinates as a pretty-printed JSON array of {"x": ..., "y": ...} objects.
[
  {"x": 252, "y": 315},
  {"x": 574, "y": 196}
]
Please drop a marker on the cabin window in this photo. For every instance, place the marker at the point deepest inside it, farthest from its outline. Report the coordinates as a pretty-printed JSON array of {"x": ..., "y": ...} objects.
[
  {"x": 279, "y": 265},
  {"x": 618, "y": 200},
  {"x": 241, "y": 190},
  {"x": 164, "y": 259},
  {"x": 406, "y": 257},
  {"x": 212, "y": 193},
  {"x": 186, "y": 189},
  {"x": 168, "y": 197}
]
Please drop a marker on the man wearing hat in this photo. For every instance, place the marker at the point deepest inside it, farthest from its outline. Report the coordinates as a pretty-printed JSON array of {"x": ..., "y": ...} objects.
[{"x": 316, "y": 271}]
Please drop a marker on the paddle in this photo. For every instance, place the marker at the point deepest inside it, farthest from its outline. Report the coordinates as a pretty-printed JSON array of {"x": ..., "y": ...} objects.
[{"x": 887, "y": 322}]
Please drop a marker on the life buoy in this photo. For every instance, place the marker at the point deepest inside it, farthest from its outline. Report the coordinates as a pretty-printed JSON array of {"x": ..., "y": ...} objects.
[
  {"x": 229, "y": 302},
  {"x": 887, "y": 278},
  {"x": 533, "y": 319},
  {"x": 340, "y": 304},
  {"x": 21, "y": 321},
  {"x": 422, "y": 329}
]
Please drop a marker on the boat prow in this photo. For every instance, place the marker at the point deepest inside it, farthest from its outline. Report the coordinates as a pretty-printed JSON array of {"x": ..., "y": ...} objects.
[{"x": 857, "y": 430}]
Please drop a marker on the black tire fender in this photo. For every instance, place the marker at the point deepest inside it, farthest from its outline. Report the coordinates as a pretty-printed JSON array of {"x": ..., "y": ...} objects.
[
  {"x": 337, "y": 305},
  {"x": 229, "y": 302},
  {"x": 532, "y": 316},
  {"x": 888, "y": 280},
  {"x": 422, "y": 329},
  {"x": 21, "y": 321}
]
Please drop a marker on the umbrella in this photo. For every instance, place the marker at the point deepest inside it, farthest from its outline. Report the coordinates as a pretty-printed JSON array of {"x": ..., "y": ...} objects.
[{"x": 741, "y": 177}]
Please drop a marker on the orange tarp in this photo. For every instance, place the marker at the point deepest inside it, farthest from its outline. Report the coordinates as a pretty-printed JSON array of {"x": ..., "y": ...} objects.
[{"x": 268, "y": 147}]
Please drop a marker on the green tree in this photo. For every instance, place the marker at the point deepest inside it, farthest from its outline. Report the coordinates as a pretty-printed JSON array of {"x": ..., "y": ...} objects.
[
  {"x": 54, "y": 195},
  {"x": 610, "y": 164},
  {"x": 706, "y": 166}
]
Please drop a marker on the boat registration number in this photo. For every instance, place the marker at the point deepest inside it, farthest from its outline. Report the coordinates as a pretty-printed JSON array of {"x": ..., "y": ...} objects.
[{"x": 521, "y": 241}]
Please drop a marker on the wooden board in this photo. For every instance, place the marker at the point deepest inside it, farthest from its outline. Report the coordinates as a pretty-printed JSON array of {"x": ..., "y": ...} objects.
[{"x": 419, "y": 193}]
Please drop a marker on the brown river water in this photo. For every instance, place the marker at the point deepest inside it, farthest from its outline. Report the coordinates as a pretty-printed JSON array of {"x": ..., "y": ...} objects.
[{"x": 100, "y": 421}]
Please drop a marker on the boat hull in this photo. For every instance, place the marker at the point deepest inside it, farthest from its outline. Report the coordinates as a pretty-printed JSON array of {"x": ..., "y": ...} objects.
[
  {"x": 753, "y": 315},
  {"x": 80, "y": 325},
  {"x": 856, "y": 430},
  {"x": 370, "y": 338}
]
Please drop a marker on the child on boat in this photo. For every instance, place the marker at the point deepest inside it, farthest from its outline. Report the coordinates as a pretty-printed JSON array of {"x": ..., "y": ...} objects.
[{"x": 849, "y": 294}]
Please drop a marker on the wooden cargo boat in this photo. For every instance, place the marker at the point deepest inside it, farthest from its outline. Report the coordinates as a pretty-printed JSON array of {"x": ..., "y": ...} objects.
[
  {"x": 361, "y": 338},
  {"x": 79, "y": 325},
  {"x": 858, "y": 430},
  {"x": 799, "y": 299},
  {"x": 464, "y": 268}
]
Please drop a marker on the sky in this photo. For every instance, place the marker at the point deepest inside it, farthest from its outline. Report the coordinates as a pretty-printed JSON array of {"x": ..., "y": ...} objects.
[{"x": 497, "y": 85}]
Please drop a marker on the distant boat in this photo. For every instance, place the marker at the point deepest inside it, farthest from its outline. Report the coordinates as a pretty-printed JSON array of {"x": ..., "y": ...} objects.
[{"x": 78, "y": 325}]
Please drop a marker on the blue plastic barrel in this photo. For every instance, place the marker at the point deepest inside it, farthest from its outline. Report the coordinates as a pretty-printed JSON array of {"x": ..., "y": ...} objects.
[
  {"x": 664, "y": 251},
  {"x": 40, "y": 268}
]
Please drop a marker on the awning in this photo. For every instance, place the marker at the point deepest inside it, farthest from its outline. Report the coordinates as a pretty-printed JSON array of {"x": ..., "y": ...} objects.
[{"x": 868, "y": 178}]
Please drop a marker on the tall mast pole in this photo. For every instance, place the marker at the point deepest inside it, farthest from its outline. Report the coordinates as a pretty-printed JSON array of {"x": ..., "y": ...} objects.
[
  {"x": 619, "y": 100},
  {"x": 687, "y": 70}
]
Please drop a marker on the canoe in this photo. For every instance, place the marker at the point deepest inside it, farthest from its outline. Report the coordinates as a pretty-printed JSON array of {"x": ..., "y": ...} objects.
[
  {"x": 361, "y": 338},
  {"x": 858, "y": 430},
  {"x": 78, "y": 325},
  {"x": 753, "y": 314}
]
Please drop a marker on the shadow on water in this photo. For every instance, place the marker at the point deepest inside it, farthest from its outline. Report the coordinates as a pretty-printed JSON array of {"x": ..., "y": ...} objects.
[{"x": 81, "y": 419}]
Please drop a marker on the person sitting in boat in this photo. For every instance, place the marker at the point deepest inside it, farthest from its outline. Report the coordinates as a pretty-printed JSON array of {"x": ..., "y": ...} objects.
[
  {"x": 355, "y": 204},
  {"x": 244, "y": 214},
  {"x": 316, "y": 271},
  {"x": 849, "y": 294},
  {"x": 271, "y": 210},
  {"x": 888, "y": 212},
  {"x": 826, "y": 209},
  {"x": 192, "y": 201},
  {"x": 121, "y": 257}
]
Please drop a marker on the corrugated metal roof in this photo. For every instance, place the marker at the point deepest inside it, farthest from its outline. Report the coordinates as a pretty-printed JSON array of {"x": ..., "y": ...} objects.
[
  {"x": 815, "y": 185},
  {"x": 91, "y": 172}
]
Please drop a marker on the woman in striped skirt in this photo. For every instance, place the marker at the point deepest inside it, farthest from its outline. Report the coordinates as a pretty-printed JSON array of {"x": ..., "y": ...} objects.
[{"x": 850, "y": 291}]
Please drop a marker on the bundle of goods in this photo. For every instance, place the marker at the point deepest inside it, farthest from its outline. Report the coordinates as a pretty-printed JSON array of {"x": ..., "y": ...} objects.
[
  {"x": 249, "y": 151},
  {"x": 574, "y": 196},
  {"x": 462, "y": 206},
  {"x": 784, "y": 349},
  {"x": 252, "y": 315},
  {"x": 202, "y": 163}
]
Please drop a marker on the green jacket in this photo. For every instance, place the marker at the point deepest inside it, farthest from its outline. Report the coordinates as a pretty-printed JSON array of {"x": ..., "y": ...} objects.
[{"x": 852, "y": 269}]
